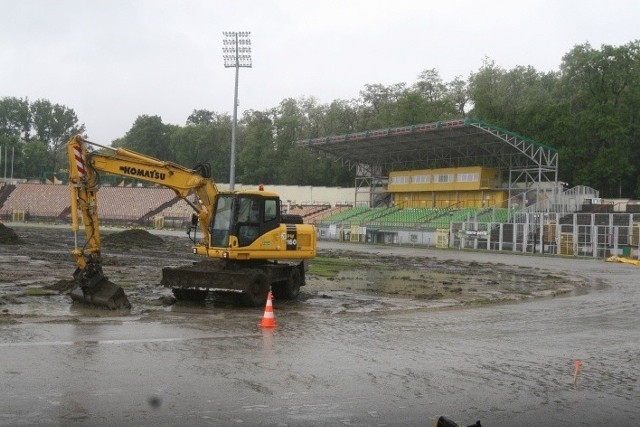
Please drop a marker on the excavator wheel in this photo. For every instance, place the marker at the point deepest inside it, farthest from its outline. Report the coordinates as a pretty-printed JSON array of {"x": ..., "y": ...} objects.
[
  {"x": 102, "y": 294},
  {"x": 289, "y": 289},
  {"x": 256, "y": 294}
]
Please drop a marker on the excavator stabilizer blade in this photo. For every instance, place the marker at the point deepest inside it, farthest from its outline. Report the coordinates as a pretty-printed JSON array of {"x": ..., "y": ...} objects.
[
  {"x": 103, "y": 294},
  {"x": 210, "y": 275},
  {"x": 203, "y": 276}
]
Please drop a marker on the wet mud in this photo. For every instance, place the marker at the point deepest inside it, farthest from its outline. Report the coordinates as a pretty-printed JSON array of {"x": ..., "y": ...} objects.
[
  {"x": 8, "y": 236},
  {"x": 36, "y": 269},
  {"x": 381, "y": 336}
]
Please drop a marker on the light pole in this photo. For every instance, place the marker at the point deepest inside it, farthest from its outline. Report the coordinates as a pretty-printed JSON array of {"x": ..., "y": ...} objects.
[{"x": 236, "y": 49}]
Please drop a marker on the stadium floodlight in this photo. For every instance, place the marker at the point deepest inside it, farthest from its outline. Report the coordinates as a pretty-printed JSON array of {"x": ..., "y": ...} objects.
[{"x": 236, "y": 53}]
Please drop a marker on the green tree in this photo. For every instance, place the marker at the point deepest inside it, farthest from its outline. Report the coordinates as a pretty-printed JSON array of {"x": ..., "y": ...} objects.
[
  {"x": 458, "y": 94},
  {"x": 289, "y": 122},
  {"x": 201, "y": 117},
  {"x": 149, "y": 136},
  {"x": 53, "y": 125},
  {"x": 430, "y": 85},
  {"x": 508, "y": 97},
  {"x": 309, "y": 119},
  {"x": 257, "y": 160},
  {"x": 411, "y": 108},
  {"x": 340, "y": 117},
  {"x": 378, "y": 105},
  {"x": 295, "y": 119},
  {"x": 208, "y": 141},
  {"x": 34, "y": 157},
  {"x": 600, "y": 90},
  {"x": 15, "y": 117},
  {"x": 428, "y": 100},
  {"x": 484, "y": 92}
]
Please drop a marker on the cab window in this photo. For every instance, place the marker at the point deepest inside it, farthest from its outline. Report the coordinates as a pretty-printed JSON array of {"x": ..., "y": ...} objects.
[
  {"x": 270, "y": 210},
  {"x": 248, "y": 210}
]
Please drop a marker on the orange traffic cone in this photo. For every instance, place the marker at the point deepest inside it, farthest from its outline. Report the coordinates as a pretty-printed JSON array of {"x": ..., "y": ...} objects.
[{"x": 268, "y": 321}]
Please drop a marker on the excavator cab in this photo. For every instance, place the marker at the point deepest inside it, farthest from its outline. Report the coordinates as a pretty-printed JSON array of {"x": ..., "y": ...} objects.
[
  {"x": 246, "y": 216},
  {"x": 251, "y": 248}
]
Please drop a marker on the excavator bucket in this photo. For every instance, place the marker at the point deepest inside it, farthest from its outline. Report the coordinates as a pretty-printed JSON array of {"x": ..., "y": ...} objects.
[
  {"x": 95, "y": 289},
  {"x": 104, "y": 294}
]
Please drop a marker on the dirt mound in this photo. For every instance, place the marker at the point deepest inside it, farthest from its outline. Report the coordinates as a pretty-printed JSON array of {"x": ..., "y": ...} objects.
[
  {"x": 135, "y": 238},
  {"x": 8, "y": 236}
]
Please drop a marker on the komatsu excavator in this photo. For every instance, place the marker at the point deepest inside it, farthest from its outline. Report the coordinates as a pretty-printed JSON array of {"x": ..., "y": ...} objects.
[{"x": 248, "y": 246}]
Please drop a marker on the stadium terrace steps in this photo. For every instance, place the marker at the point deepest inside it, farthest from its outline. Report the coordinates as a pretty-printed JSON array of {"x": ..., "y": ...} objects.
[
  {"x": 37, "y": 200},
  {"x": 414, "y": 217},
  {"x": 114, "y": 203},
  {"x": 141, "y": 203}
]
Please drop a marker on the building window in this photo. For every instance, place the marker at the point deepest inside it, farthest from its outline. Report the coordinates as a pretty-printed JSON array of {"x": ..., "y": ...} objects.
[
  {"x": 401, "y": 179},
  {"x": 444, "y": 178},
  {"x": 468, "y": 177},
  {"x": 421, "y": 179}
]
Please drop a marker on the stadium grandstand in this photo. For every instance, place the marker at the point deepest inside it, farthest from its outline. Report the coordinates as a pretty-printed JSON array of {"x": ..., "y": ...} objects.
[
  {"x": 455, "y": 184},
  {"x": 151, "y": 206},
  {"x": 468, "y": 184}
]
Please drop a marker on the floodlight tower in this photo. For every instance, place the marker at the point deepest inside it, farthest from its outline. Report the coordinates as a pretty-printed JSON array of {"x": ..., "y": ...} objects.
[{"x": 236, "y": 49}]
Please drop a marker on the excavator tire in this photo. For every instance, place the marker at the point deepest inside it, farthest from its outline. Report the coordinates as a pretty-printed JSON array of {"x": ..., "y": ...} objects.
[
  {"x": 256, "y": 293},
  {"x": 103, "y": 294},
  {"x": 289, "y": 289}
]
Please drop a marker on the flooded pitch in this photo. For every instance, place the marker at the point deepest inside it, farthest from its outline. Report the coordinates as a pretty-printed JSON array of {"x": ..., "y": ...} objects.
[{"x": 399, "y": 342}]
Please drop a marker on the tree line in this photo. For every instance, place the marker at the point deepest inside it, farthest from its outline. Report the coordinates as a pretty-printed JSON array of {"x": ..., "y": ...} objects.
[
  {"x": 589, "y": 110},
  {"x": 34, "y": 134}
]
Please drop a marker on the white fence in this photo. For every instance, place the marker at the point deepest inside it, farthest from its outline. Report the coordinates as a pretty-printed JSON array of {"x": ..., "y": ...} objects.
[{"x": 580, "y": 234}]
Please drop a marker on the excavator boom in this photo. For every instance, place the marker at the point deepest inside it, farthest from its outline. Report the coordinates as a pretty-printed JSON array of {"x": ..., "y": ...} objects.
[{"x": 92, "y": 286}]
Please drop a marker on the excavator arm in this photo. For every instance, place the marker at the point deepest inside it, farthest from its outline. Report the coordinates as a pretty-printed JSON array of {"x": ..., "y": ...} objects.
[{"x": 84, "y": 166}]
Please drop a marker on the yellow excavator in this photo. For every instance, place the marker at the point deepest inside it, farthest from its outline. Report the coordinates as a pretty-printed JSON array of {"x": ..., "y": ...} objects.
[{"x": 248, "y": 246}]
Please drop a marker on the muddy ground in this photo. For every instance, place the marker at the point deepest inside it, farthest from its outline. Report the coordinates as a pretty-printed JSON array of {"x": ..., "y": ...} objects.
[
  {"x": 381, "y": 336},
  {"x": 36, "y": 269}
]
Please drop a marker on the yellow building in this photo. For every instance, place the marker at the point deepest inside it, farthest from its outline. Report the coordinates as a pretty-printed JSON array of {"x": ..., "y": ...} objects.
[{"x": 473, "y": 186}]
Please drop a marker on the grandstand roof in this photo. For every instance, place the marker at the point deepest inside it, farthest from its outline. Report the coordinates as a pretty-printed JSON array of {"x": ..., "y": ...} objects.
[{"x": 455, "y": 143}]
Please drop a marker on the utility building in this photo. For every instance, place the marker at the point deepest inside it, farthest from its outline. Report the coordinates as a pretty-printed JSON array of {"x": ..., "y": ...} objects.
[{"x": 463, "y": 187}]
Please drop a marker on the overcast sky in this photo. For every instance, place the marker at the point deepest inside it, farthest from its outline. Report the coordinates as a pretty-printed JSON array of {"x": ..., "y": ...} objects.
[{"x": 111, "y": 61}]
